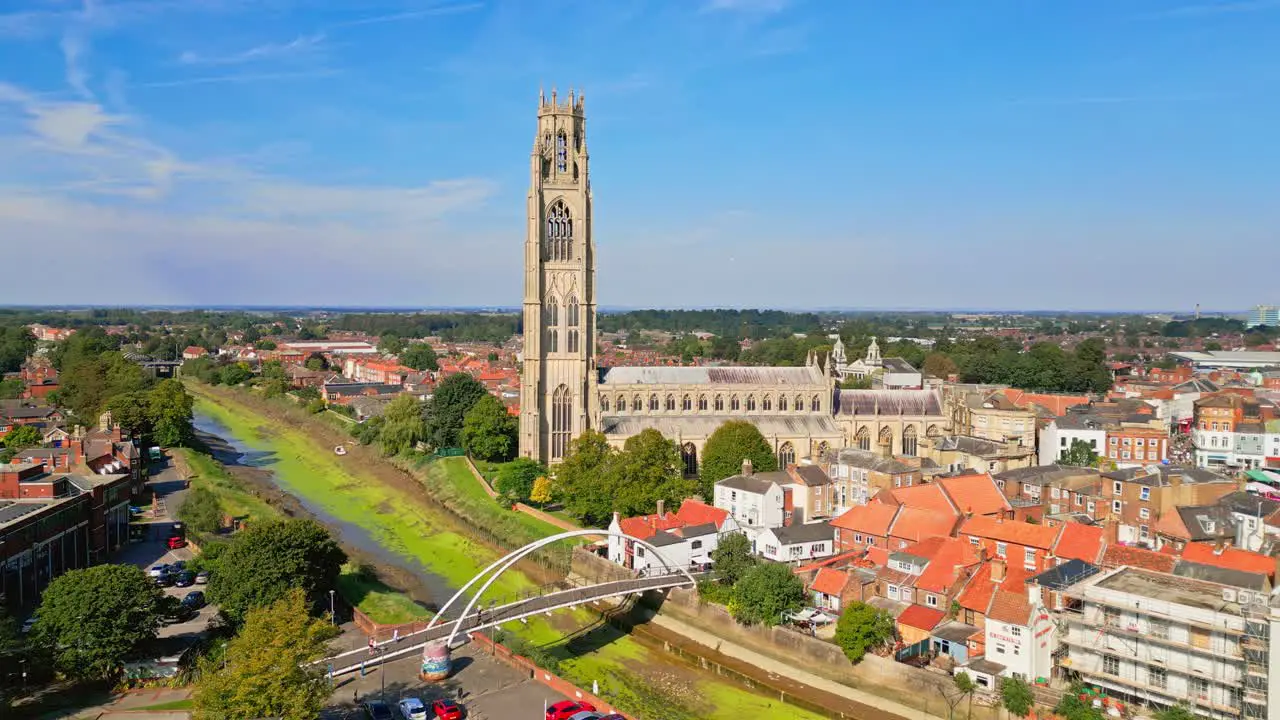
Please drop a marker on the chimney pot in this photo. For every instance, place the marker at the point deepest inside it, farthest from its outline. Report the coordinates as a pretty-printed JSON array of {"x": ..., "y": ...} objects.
[
  {"x": 746, "y": 467},
  {"x": 661, "y": 507}
]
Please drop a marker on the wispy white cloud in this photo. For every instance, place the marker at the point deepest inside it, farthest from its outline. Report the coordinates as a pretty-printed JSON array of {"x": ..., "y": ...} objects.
[
  {"x": 74, "y": 48},
  {"x": 301, "y": 45},
  {"x": 453, "y": 9}
]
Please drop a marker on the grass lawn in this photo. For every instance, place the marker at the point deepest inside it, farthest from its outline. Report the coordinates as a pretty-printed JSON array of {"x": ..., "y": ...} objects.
[
  {"x": 413, "y": 530},
  {"x": 207, "y": 472},
  {"x": 187, "y": 704},
  {"x": 382, "y": 604}
]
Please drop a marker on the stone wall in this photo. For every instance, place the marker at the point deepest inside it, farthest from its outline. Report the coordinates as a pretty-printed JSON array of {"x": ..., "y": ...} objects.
[{"x": 595, "y": 569}]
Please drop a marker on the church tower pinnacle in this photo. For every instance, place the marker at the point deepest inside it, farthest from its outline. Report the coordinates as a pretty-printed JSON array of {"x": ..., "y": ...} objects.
[{"x": 558, "y": 379}]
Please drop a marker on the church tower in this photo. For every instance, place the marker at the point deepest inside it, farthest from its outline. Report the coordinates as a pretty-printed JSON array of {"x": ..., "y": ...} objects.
[{"x": 558, "y": 379}]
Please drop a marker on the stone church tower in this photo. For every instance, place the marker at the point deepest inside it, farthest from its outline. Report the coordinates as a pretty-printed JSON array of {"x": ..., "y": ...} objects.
[{"x": 558, "y": 380}]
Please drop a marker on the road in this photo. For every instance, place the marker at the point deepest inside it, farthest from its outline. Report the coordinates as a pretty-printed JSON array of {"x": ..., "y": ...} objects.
[{"x": 486, "y": 688}]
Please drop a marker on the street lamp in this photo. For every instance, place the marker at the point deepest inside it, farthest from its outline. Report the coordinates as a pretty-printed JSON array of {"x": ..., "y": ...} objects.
[{"x": 333, "y": 619}]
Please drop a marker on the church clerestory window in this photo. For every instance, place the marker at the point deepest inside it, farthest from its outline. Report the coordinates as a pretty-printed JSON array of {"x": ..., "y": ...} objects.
[
  {"x": 671, "y": 403},
  {"x": 734, "y": 403},
  {"x": 653, "y": 402},
  {"x": 782, "y": 403},
  {"x": 686, "y": 403},
  {"x": 815, "y": 404},
  {"x": 719, "y": 403},
  {"x": 558, "y": 244},
  {"x": 751, "y": 403},
  {"x": 702, "y": 402},
  {"x": 604, "y": 403},
  {"x": 766, "y": 404},
  {"x": 636, "y": 404},
  {"x": 799, "y": 404}
]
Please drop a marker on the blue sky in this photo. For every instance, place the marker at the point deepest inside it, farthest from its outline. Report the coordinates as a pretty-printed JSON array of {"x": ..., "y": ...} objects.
[{"x": 1091, "y": 154}]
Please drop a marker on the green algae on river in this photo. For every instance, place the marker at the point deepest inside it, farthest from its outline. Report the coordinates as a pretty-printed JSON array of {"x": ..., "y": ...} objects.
[{"x": 406, "y": 527}]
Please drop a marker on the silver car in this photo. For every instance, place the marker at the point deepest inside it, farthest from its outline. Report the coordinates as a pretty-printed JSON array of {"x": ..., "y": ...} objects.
[{"x": 412, "y": 709}]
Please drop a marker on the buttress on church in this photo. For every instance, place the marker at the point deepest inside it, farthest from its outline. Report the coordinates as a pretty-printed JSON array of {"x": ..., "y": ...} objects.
[{"x": 799, "y": 410}]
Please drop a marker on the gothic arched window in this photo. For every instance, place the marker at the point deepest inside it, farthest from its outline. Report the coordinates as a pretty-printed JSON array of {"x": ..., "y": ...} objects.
[
  {"x": 552, "y": 312},
  {"x": 782, "y": 403},
  {"x": 815, "y": 404},
  {"x": 636, "y": 403},
  {"x": 558, "y": 245},
  {"x": 863, "y": 438},
  {"x": 621, "y": 404},
  {"x": 909, "y": 441},
  {"x": 734, "y": 403},
  {"x": 886, "y": 440},
  {"x": 689, "y": 454},
  {"x": 786, "y": 455},
  {"x": 653, "y": 402},
  {"x": 553, "y": 340},
  {"x": 573, "y": 311},
  {"x": 799, "y": 404},
  {"x": 686, "y": 403},
  {"x": 719, "y": 403},
  {"x": 671, "y": 402},
  {"x": 766, "y": 404},
  {"x": 702, "y": 402},
  {"x": 573, "y": 341},
  {"x": 751, "y": 403},
  {"x": 562, "y": 152},
  {"x": 604, "y": 403},
  {"x": 561, "y": 421}
]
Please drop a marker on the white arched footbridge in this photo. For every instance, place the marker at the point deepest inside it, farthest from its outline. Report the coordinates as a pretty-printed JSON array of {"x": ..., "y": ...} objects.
[{"x": 471, "y": 619}]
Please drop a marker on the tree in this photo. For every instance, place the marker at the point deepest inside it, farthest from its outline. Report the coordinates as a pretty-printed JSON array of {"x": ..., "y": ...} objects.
[
  {"x": 94, "y": 619},
  {"x": 581, "y": 480},
  {"x": 201, "y": 510},
  {"x": 1080, "y": 454},
  {"x": 1016, "y": 696},
  {"x": 454, "y": 396},
  {"x": 967, "y": 687},
  {"x": 402, "y": 426},
  {"x": 16, "y": 344},
  {"x": 1175, "y": 712},
  {"x": 235, "y": 374},
  {"x": 939, "y": 365},
  {"x": 732, "y": 558},
  {"x": 171, "y": 410},
  {"x": 765, "y": 592},
  {"x": 262, "y": 563},
  {"x": 862, "y": 628},
  {"x": 266, "y": 670},
  {"x": 541, "y": 493},
  {"x": 517, "y": 478},
  {"x": 316, "y": 361},
  {"x": 391, "y": 344},
  {"x": 1212, "y": 345},
  {"x": 266, "y": 344},
  {"x": 648, "y": 469},
  {"x": 23, "y": 436},
  {"x": 489, "y": 432},
  {"x": 420, "y": 356},
  {"x": 132, "y": 412},
  {"x": 1071, "y": 707},
  {"x": 856, "y": 383},
  {"x": 88, "y": 383},
  {"x": 731, "y": 443},
  {"x": 11, "y": 388}
]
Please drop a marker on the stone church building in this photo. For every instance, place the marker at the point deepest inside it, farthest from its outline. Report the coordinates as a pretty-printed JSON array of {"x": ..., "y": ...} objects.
[{"x": 563, "y": 393}]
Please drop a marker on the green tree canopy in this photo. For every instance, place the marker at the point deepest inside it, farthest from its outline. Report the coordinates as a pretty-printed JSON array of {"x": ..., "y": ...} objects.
[
  {"x": 201, "y": 510},
  {"x": 262, "y": 563},
  {"x": 765, "y": 592},
  {"x": 581, "y": 479},
  {"x": 1080, "y": 454},
  {"x": 89, "y": 382},
  {"x": 402, "y": 426},
  {"x": 316, "y": 361},
  {"x": 648, "y": 469},
  {"x": 23, "y": 436},
  {"x": 1173, "y": 712},
  {"x": 731, "y": 443},
  {"x": 132, "y": 412},
  {"x": 391, "y": 343},
  {"x": 420, "y": 356},
  {"x": 516, "y": 479},
  {"x": 1016, "y": 696},
  {"x": 236, "y": 374},
  {"x": 11, "y": 388},
  {"x": 266, "y": 670},
  {"x": 732, "y": 558},
  {"x": 453, "y": 397},
  {"x": 16, "y": 344},
  {"x": 92, "y": 620},
  {"x": 489, "y": 432},
  {"x": 861, "y": 629},
  {"x": 171, "y": 410}
]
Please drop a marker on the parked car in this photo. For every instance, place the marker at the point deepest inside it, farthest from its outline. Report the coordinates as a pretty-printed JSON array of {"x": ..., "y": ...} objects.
[
  {"x": 613, "y": 716},
  {"x": 566, "y": 709},
  {"x": 186, "y": 578},
  {"x": 165, "y": 580},
  {"x": 158, "y": 570},
  {"x": 446, "y": 710},
  {"x": 413, "y": 709},
  {"x": 202, "y": 577},
  {"x": 179, "y": 613},
  {"x": 194, "y": 599},
  {"x": 377, "y": 710},
  {"x": 176, "y": 542},
  {"x": 585, "y": 715},
  {"x": 178, "y": 565}
]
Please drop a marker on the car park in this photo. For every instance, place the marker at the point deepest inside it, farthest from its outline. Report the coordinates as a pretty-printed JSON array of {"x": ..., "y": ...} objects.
[
  {"x": 377, "y": 710},
  {"x": 446, "y": 710},
  {"x": 176, "y": 542},
  {"x": 412, "y": 709},
  {"x": 164, "y": 580},
  {"x": 158, "y": 570},
  {"x": 202, "y": 577},
  {"x": 566, "y": 709},
  {"x": 186, "y": 578},
  {"x": 194, "y": 600}
]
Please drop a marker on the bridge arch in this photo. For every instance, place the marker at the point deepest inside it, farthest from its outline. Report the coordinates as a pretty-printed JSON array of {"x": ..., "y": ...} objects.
[{"x": 505, "y": 563}]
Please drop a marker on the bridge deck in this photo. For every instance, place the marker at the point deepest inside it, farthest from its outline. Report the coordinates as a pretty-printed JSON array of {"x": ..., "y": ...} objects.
[{"x": 490, "y": 617}]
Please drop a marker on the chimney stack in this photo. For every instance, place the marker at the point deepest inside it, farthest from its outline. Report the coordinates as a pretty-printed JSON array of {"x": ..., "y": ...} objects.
[
  {"x": 661, "y": 506},
  {"x": 746, "y": 467},
  {"x": 997, "y": 569}
]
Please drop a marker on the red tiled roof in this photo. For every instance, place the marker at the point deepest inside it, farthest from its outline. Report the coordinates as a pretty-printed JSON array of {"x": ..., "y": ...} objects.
[
  {"x": 1173, "y": 526},
  {"x": 832, "y": 561},
  {"x": 977, "y": 494},
  {"x": 1057, "y": 404},
  {"x": 877, "y": 556},
  {"x": 873, "y": 519},
  {"x": 1009, "y": 607},
  {"x": 925, "y": 497},
  {"x": 916, "y": 524},
  {"x": 1121, "y": 555},
  {"x": 1230, "y": 558},
  {"x": 830, "y": 581},
  {"x": 644, "y": 526},
  {"x": 1081, "y": 542},
  {"x": 921, "y": 617},
  {"x": 695, "y": 512},
  {"x": 977, "y": 594},
  {"x": 946, "y": 561},
  {"x": 1011, "y": 531}
]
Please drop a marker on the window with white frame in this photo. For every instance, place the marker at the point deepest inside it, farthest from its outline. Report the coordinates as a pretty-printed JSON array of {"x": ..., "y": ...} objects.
[
  {"x": 1117, "y": 487},
  {"x": 1144, "y": 513},
  {"x": 1144, "y": 493},
  {"x": 1029, "y": 558},
  {"x": 1111, "y": 664},
  {"x": 893, "y": 592},
  {"x": 1116, "y": 506},
  {"x": 1001, "y": 549},
  {"x": 931, "y": 600}
]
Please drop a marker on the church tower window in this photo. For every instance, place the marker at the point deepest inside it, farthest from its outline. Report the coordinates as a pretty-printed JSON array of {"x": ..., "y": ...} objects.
[
  {"x": 561, "y": 421},
  {"x": 562, "y": 152},
  {"x": 558, "y": 245},
  {"x": 573, "y": 341},
  {"x": 573, "y": 311}
]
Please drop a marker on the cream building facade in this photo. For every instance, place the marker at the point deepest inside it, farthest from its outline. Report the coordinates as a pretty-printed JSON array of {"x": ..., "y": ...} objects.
[{"x": 563, "y": 393}]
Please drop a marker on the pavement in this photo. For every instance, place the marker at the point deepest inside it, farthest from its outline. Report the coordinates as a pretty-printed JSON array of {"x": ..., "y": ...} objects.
[{"x": 486, "y": 688}]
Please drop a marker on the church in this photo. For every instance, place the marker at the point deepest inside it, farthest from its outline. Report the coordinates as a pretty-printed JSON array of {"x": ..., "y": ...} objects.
[{"x": 563, "y": 393}]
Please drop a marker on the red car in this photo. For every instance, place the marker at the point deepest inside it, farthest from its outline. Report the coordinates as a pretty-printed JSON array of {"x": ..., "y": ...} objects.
[
  {"x": 446, "y": 710},
  {"x": 176, "y": 542},
  {"x": 566, "y": 709}
]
